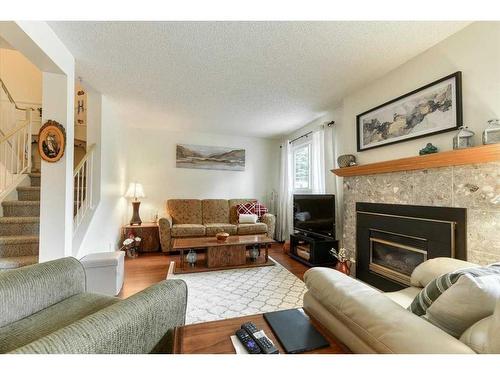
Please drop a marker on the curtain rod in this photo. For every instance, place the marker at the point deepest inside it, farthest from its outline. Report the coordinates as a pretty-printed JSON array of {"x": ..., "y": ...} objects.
[
  {"x": 302, "y": 136},
  {"x": 329, "y": 124}
]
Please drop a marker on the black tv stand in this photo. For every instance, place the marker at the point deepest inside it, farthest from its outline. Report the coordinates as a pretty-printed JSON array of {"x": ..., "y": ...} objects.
[{"x": 313, "y": 250}]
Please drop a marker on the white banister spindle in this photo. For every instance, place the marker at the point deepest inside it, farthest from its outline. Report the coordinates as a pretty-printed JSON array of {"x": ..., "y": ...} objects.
[
  {"x": 83, "y": 182},
  {"x": 13, "y": 161}
]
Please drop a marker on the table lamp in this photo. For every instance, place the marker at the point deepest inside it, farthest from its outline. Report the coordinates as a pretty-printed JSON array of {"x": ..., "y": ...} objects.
[{"x": 135, "y": 190}]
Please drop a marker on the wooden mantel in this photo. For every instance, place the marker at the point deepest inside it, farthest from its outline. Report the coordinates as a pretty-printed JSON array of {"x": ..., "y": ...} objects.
[{"x": 473, "y": 155}]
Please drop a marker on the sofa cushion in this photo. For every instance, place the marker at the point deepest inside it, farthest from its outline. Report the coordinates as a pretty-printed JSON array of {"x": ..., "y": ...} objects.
[
  {"x": 257, "y": 228},
  {"x": 457, "y": 300},
  {"x": 404, "y": 297},
  {"x": 233, "y": 203},
  {"x": 188, "y": 230},
  {"x": 50, "y": 319},
  {"x": 494, "y": 331},
  {"x": 214, "y": 228},
  {"x": 476, "y": 336},
  {"x": 215, "y": 211},
  {"x": 185, "y": 211},
  {"x": 427, "y": 271}
]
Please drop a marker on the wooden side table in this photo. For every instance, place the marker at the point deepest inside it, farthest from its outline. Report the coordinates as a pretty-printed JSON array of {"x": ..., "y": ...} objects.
[{"x": 149, "y": 234}]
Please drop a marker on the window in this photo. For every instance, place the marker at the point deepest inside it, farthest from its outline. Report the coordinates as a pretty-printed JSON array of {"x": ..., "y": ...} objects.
[{"x": 302, "y": 181}]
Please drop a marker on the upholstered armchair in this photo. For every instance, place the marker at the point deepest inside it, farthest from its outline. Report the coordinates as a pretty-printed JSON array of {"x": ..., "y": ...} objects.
[{"x": 44, "y": 308}]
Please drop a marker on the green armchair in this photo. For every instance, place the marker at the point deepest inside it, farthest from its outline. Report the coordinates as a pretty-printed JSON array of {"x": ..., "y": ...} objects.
[{"x": 44, "y": 309}]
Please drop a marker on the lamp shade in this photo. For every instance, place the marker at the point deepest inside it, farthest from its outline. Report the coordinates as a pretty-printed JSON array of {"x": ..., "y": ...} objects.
[{"x": 135, "y": 190}]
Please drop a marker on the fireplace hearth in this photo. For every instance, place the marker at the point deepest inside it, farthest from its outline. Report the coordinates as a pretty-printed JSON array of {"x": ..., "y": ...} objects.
[{"x": 394, "y": 239}]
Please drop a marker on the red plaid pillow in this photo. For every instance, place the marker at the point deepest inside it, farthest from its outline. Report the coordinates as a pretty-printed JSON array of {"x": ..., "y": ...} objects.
[
  {"x": 255, "y": 208},
  {"x": 246, "y": 208},
  {"x": 260, "y": 209}
]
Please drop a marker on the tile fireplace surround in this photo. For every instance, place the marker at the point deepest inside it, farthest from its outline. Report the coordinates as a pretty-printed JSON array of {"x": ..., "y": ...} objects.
[{"x": 475, "y": 187}]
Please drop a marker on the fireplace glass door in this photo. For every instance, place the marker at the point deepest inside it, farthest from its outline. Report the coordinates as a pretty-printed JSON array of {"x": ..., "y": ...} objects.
[{"x": 394, "y": 260}]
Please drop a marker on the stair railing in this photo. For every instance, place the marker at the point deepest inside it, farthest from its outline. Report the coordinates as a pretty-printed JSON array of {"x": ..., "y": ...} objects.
[
  {"x": 83, "y": 182},
  {"x": 15, "y": 149}
]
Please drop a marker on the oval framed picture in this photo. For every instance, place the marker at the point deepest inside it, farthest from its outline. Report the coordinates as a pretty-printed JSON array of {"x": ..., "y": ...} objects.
[{"x": 51, "y": 141}]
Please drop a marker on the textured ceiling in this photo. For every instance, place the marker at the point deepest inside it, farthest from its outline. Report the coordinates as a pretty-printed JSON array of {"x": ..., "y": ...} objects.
[{"x": 247, "y": 78}]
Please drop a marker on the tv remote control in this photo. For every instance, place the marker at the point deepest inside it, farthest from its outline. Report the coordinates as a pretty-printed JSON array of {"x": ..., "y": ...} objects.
[
  {"x": 266, "y": 345},
  {"x": 248, "y": 342}
]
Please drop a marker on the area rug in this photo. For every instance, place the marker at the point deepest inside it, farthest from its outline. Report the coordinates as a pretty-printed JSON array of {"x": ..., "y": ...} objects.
[{"x": 227, "y": 294}]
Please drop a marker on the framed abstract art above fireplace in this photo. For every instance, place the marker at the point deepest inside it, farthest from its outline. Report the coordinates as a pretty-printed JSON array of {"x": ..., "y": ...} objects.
[{"x": 431, "y": 109}]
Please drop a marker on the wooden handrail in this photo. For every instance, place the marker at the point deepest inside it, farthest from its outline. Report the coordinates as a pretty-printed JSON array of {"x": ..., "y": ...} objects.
[{"x": 85, "y": 158}]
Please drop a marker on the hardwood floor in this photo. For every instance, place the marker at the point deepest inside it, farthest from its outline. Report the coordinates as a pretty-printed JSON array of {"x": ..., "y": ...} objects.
[{"x": 150, "y": 268}]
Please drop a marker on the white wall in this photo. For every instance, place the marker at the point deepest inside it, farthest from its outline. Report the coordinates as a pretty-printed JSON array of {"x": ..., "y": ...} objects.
[
  {"x": 151, "y": 161},
  {"x": 474, "y": 50},
  {"x": 104, "y": 230},
  {"x": 22, "y": 78}
]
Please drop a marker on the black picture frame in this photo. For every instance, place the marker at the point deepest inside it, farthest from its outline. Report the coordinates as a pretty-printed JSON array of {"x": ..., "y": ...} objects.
[{"x": 457, "y": 76}]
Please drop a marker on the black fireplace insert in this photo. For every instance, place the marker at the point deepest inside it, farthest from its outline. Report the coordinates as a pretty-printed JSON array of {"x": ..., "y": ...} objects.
[{"x": 392, "y": 239}]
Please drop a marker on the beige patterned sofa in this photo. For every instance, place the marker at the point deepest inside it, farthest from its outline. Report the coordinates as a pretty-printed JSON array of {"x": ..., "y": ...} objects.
[{"x": 205, "y": 218}]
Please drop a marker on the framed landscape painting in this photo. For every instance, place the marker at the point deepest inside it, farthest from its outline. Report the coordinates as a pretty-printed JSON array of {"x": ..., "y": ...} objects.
[
  {"x": 431, "y": 109},
  {"x": 210, "y": 157}
]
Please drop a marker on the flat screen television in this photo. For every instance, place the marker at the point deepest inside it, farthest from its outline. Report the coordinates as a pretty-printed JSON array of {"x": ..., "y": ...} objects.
[{"x": 314, "y": 214}]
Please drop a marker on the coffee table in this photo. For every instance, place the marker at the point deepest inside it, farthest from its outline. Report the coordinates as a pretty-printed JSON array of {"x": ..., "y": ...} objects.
[
  {"x": 214, "y": 337},
  {"x": 231, "y": 253}
]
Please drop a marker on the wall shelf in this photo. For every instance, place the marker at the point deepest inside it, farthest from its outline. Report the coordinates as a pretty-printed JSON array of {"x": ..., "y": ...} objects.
[{"x": 473, "y": 155}]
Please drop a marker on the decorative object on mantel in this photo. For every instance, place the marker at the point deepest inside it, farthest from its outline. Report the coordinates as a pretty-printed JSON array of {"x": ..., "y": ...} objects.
[
  {"x": 222, "y": 236},
  {"x": 463, "y": 138},
  {"x": 491, "y": 134},
  {"x": 472, "y": 155},
  {"x": 344, "y": 258},
  {"x": 431, "y": 109},
  {"x": 428, "y": 149},
  {"x": 346, "y": 161},
  {"x": 135, "y": 190},
  {"x": 51, "y": 141}
]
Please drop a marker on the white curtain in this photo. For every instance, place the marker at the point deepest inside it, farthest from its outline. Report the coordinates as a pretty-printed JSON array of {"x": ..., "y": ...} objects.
[
  {"x": 285, "y": 205},
  {"x": 318, "y": 162}
]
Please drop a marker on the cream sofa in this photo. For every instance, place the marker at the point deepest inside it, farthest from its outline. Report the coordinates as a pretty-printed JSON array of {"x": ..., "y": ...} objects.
[
  {"x": 206, "y": 218},
  {"x": 369, "y": 321}
]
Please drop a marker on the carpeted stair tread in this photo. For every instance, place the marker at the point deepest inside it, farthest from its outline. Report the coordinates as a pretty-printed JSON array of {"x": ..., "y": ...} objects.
[
  {"x": 21, "y": 203},
  {"x": 35, "y": 179},
  {"x": 10, "y": 240},
  {"x": 28, "y": 193},
  {"x": 16, "y": 262},
  {"x": 19, "y": 219},
  {"x": 28, "y": 188}
]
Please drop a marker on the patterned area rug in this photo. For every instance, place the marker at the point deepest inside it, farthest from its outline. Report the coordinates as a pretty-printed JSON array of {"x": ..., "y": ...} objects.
[{"x": 230, "y": 293}]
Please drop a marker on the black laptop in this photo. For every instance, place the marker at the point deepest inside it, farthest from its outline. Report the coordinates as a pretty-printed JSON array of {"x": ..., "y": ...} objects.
[{"x": 294, "y": 331}]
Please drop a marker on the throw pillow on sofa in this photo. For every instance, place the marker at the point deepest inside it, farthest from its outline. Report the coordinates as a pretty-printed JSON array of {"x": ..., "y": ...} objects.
[
  {"x": 251, "y": 208},
  {"x": 248, "y": 218},
  {"x": 456, "y": 300}
]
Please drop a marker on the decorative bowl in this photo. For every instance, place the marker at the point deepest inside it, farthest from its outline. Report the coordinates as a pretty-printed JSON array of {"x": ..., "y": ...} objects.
[{"x": 222, "y": 236}]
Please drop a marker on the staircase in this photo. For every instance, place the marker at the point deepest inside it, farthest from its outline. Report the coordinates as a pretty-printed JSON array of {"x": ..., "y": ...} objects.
[{"x": 19, "y": 226}]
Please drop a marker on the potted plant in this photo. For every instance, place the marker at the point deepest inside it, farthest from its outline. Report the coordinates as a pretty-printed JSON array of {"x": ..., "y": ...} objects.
[{"x": 131, "y": 246}]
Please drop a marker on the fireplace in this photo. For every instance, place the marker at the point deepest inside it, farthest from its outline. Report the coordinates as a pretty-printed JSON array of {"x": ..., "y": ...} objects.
[{"x": 394, "y": 239}]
